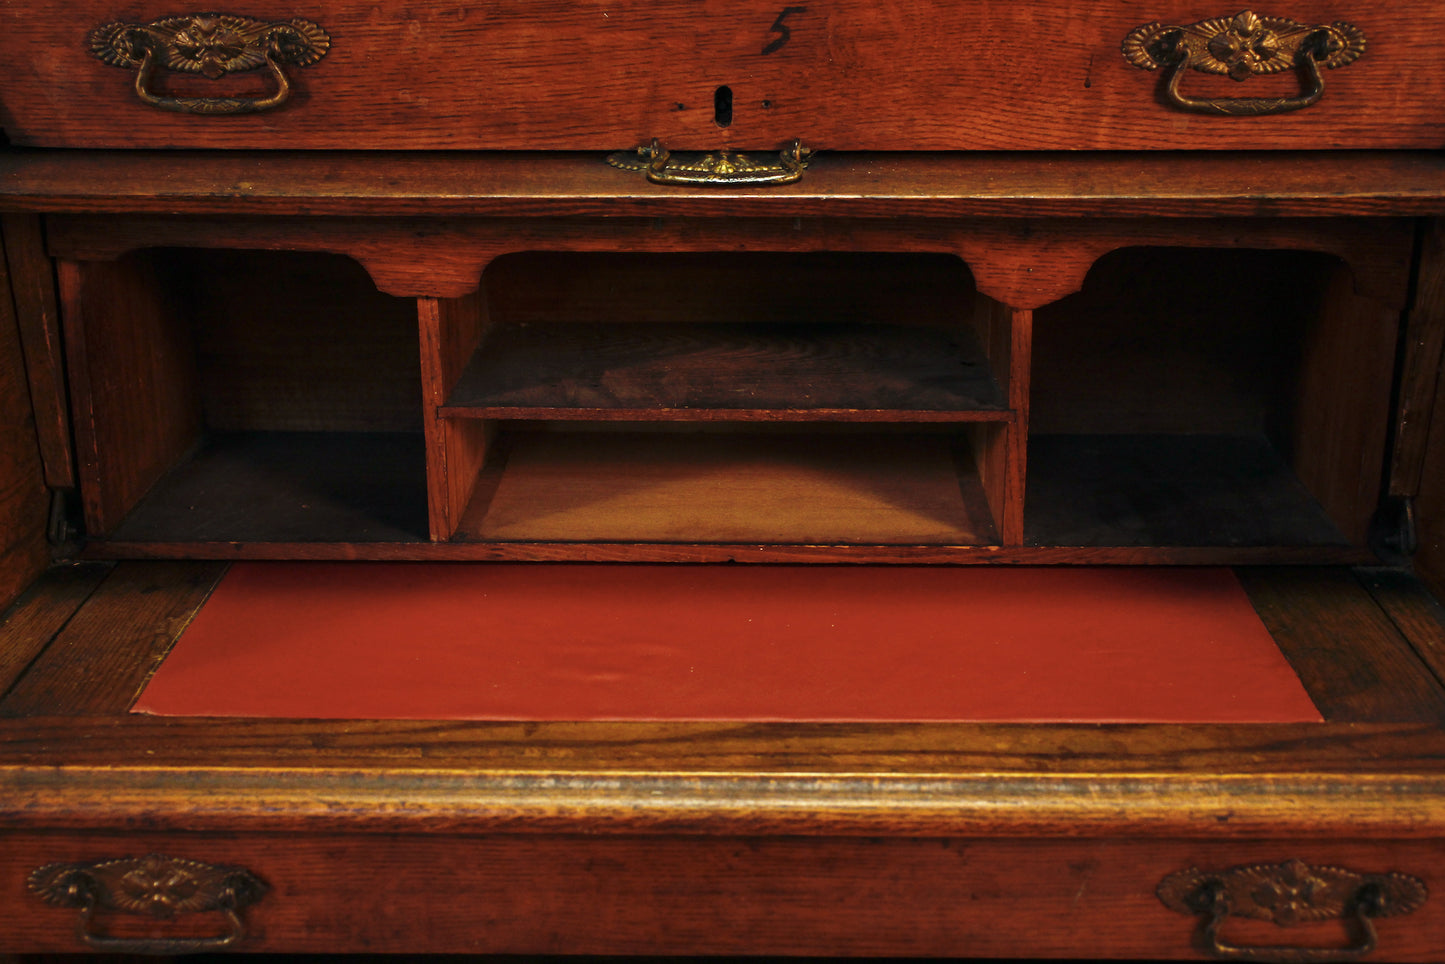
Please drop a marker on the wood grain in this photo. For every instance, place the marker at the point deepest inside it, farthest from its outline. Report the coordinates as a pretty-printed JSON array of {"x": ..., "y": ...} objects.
[
  {"x": 1338, "y": 417},
  {"x": 732, "y": 488},
  {"x": 132, "y": 381},
  {"x": 42, "y": 612},
  {"x": 812, "y": 370},
  {"x": 98, "y": 663},
  {"x": 945, "y": 897},
  {"x": 1022, "y": 263},
  {"x": 24, "y": 502},
  {"x": 1350, "y": 656},
  {"x": 451, "y": 330},
  {"x": 37, "y": 313},
  {"x": 1424, "y": 346},
  {"x": 899, "y": 184},
  {"x": 583, "y": 74}
]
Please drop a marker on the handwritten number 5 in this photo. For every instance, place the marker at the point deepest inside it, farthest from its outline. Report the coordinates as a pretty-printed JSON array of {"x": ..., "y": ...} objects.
[{"x": 783, "y": 31}]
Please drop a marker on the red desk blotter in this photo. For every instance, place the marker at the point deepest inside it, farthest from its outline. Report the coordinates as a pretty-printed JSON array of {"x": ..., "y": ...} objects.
[{"x": 623, "y": 642}]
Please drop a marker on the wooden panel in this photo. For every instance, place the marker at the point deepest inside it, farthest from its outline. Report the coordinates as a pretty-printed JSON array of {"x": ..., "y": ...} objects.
[
  {"x": 892, "y": 185},
  {"x": 1424, "y": 344},
  {"x": 1355, "y": 663},
  {"x": 1430, "y": 504},
  {"x": 24, "y": 552},
  {"x": 133, "y": 383},
  {"x": 732, "y": 487},
  {"x": 769, "y": 371},
  {"x": 451, "y": 330},
  {"x": 589, "y": 75},
  {"x": 41, "y": 613},
  {"x": 296, "y": 342},
  {"x": 751, "y": 895},
  {"x": 1339, "y": 414},
  {"x": 1022, "y": 263},
  {"x": 102, "y": 658},
  {"x": 32, "y": 277}
]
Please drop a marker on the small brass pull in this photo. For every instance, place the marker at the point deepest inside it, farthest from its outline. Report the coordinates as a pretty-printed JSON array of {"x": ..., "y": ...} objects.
[
  {"x": 1242, "y": 47},
  {"x": 719, "y": 169},
  {"x": 1287, "y": 894},
  {"x": 154, "y": 886},
  {"x": 212, "y": 45}
]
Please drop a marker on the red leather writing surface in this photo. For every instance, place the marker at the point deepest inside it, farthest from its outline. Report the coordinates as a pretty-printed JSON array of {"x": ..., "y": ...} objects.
[{"x": 589, "y": 642}]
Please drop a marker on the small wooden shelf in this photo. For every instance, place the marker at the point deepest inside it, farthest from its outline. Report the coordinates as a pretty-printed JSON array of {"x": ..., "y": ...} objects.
[
  {"x": 797, "y": 372},
  {"x": 745, "y": 487},
  {"x": 288, "y": 487},
  {"x": 1169, "y": 490}
]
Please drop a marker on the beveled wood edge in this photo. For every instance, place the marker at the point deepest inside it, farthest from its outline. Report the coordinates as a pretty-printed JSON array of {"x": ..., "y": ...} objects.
[
  {"x": 985, "y": 184},
  {"x": 381, "y": 799}
]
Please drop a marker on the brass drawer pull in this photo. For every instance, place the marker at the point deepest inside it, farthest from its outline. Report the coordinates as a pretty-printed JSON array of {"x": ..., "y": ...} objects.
[
  {"x": 212, "y": 45},
  {"x": 1286, "y": 894},
  {"x": 1245, "y": 46},
  {"x": 154, "y": 886},
  {"x": 719, "y": 169}
]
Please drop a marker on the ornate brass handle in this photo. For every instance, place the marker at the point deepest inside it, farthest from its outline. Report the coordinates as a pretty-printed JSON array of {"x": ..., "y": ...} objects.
[
  {"x": 719, "y": 169},
  {"x": 1286, "y": 894},
  {"x": 212, "y": 45},
  {"x": 155, "y": 886},
  {"x": 1246, "y": 46}
]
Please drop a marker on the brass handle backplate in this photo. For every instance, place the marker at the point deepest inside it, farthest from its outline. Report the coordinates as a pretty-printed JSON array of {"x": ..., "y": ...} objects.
[
  {"x": 719, "y": 169},
  {"x": 213, "y": 45},
  {"x": 1287, "y": 894},
  {"x": 152, "y": 886},
  {"x": 1242, "y": 47}
]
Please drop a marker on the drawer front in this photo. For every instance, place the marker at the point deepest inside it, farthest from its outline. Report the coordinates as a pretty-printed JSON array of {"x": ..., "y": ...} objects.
[
  {"x": 709, "y": 74},
  {"x": 714, "y": 895}
]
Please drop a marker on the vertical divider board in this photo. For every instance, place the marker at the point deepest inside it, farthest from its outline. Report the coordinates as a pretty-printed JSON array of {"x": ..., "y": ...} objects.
[
  {"x": 1001, "y": 450},
  {"x": 133, "y": 382},
  {"x": 1341, "y": 408},
  {"x": 452, "y": 329}
]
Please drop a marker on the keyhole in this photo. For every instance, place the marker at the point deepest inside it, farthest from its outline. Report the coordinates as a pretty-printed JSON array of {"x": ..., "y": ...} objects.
[{"x": 722, "y": 106}]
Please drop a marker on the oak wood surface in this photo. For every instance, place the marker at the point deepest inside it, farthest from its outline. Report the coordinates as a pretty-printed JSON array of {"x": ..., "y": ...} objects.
[
  {"x": 35, "y": 619},
  {"x": 586, "y": 74},
  {"x": 1022, "y": 263},
  {"x": 24, "y": 552},
  {"x": 732, "y": 487},
  {"x": 451, "y": 330},
  {"x": 133, "y": 382},
  {"x": 808, "y": 370},
  {"x": 101, "y": 658},
  {"x": 37, "y": 313},
  {"x": 944, "y": 896},
  {"x": 876, "y": 185}
]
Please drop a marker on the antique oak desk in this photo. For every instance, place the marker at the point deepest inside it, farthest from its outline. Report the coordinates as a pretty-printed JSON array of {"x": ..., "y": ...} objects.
[{"x": 1142, "y": 285}]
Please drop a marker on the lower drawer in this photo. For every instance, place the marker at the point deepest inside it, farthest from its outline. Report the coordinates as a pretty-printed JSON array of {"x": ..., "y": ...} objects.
[{"x": 716, "y": 895}]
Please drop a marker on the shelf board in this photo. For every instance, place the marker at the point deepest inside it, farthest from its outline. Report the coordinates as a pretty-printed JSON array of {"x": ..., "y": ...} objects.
[
  {"x": 818, "y": 371},
  {"x": 730, "y": 487},
  {"x": 1168, "y": 490},
  {"x": 288, "y": 487}
]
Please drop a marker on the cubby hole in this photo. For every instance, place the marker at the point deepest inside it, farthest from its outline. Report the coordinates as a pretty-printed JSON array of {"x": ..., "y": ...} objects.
[
  {"x": 1209, "y": 398},
  {"x": 748, "y": 398},
  {"x": 245, "y": 396}
]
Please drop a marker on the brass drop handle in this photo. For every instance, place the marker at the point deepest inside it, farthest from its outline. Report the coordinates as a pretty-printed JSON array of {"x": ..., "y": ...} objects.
[
  {"x": 212, "y": 45},
  {"x": 155, "y": 886},
  {"x": 718, "y": 169},
  {"x": 1287, "y": 894},
  {"x": 1241, "y": 47},
  {"x": 1364, "y": 907}
]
